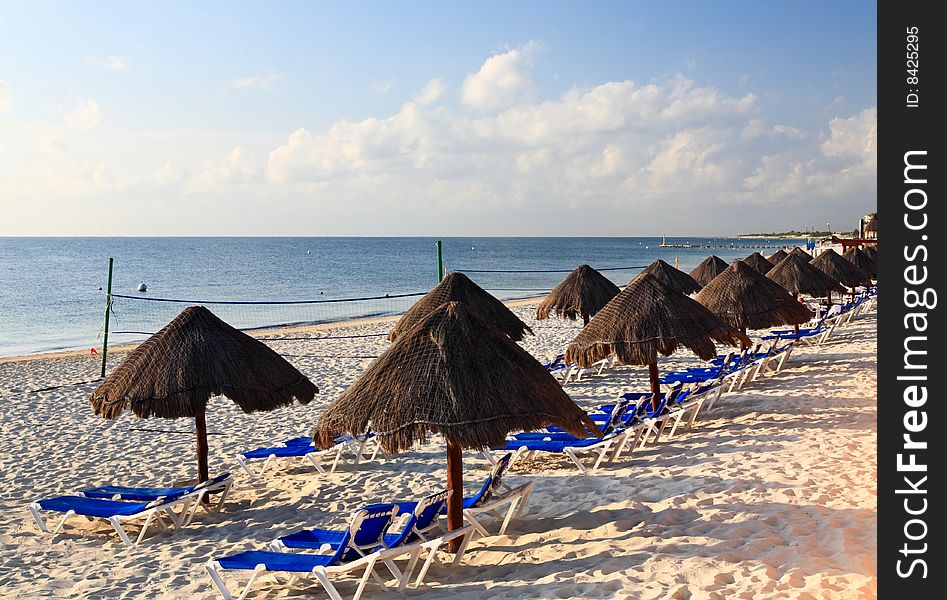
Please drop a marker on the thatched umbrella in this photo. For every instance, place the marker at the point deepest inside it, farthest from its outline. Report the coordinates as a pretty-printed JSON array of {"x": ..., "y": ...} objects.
[
  {"x": 677, "y": 280},
  {"x": 838, "y": 269},
  {"x": 175, "y": 372},
  {"x": 583, "y": 292},
  {"x": 797, "y": 276},
  {"x": 712, "y": 266},
  {"x": 744, "y": 299},
  {"x": 863, "y": 262},
  {"x": 777, "y": 256},
  {"x": 458, "y": 287},
  {"x": 801, "y": 253},
  {"x": 872, "y": 251},
  {"x": 455, "y": 375},
  {"x": 759, "y": 263},
  {"x": 646, "y": 319}
]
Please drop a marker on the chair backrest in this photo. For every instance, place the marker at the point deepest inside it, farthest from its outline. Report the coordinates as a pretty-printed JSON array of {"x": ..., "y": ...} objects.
[
  {"x": 725, "y": 363},
  {"x": 493, "y": 481},
  {"x": 668, "y": 396},
  {"x": 429, "y": 509},
  {"x": 617, "y": 417},
  {"x": 212, "y": 481},
  {"x": 367, "y": 526}
]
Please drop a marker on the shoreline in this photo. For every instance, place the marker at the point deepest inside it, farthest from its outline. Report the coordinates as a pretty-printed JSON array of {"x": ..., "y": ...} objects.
[{"x": 260, "y": 334}]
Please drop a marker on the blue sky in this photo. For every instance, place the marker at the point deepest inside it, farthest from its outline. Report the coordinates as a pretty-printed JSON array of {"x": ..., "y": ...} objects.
[{"x": 380, "y": 118}]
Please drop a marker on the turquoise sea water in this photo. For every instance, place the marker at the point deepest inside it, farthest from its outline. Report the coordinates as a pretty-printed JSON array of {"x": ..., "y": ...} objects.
[{"x": 50, "y": 297}]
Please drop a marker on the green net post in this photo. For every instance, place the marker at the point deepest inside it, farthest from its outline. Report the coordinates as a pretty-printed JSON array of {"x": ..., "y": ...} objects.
[
  {"x": 108, "y": 306},
  {"x": 440, "y": 261}
]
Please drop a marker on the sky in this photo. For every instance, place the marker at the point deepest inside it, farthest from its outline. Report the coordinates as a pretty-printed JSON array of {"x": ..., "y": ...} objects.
[{"x": 436, "y": 118}]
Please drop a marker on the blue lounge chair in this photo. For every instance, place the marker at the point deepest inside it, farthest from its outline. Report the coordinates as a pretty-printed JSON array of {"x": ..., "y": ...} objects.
[
  {"x": 344, "y": 550},
  {"x": 303, "y": 448},
  {"x": 569, "y": 445},
  {"x": 696, "y": 374},
  {"x": 200, "y": 491},
  {"x": 422, "y": 522},
  {"x": 115, "y": 512}
]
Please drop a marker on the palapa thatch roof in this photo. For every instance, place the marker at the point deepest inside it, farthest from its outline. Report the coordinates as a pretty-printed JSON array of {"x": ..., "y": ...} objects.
[
  {"x": 456, "y": 375},
  {"x": 744, "y": 299},
  {"x": 777, "y": 256},
  {"x": 797, "y": 251},
  {"x": 797, "y": 276},
  {"x": 583, "y": 293},
  {"x": 646, "y": 319},
  {"x": 759, "y": 263},
  {"x": 838, "y": 269},
  {"x": 712, "y": 266},
  {"x": 458, "y": 287},
  {"x": 872, "y": 251},
  {"x": 677, "y": 280},
  {"x": 862, "y": 261},
  {"x": 196, "y": 356}
]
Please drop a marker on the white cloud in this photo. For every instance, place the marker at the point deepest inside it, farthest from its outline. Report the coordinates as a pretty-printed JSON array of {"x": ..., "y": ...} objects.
[
  {"x": 86, "y": 115},
  {"x": 616, "y": 158},
  {"x": 253, "y": 83},
  {"x": 116, "y": 63},
  {"x": 789, "y": 131},
  {"x": 501, "y": 80},
  {"x": 854, "y": 137},
  {"x": 6, "y": 97},
  {"x": 431, "y": 93}
]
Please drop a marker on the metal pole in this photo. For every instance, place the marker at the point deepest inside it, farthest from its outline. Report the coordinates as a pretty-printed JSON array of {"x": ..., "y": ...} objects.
[
  {"x": 108, "y": 306},
  {"x": 440, "y": 261}
]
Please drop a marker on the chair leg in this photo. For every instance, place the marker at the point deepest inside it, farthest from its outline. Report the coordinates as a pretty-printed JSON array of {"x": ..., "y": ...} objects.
[
  {"x": 509, "y": 515},
  {"x": 471, "y": 520},
  {"x": 524, "y": 498},
  {"x": 242, "y": 462},
  {"x": 323, "y": 577},
  {"x": 571, "y": 454},
  {"x": 211, "y": 569},
  {"x": 121, "y": 532},
  {"x": 311, "y": 457},
  {"x": 34, "y": 510}
]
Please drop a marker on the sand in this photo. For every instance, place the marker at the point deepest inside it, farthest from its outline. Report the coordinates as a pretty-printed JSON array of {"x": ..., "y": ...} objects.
[{"x": 771, "y": 496}]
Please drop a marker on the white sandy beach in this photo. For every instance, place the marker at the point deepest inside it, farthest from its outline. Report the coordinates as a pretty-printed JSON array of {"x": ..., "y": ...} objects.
[{"x": 771, "y": 496}]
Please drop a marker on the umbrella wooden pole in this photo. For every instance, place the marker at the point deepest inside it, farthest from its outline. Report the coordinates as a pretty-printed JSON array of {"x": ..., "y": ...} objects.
[
  {"x": 455, "y": 483},
  {"x": 743, "y": 345},
  {"x": 655, "y": 385},
  {"x": 795, "y": 328},
  {"x": 201, "y": 429},
  {"x": 585, "y": 318}
]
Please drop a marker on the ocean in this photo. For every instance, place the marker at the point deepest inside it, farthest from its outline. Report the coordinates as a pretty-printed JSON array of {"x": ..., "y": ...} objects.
[{"x": 52, "y": 290}]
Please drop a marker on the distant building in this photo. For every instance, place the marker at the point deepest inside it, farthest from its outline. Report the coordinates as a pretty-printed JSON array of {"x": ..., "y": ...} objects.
[{"x": 871, "y": 226}]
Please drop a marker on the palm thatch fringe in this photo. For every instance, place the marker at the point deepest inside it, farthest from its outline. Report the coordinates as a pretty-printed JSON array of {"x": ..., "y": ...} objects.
[
  {"x": 743, "y": 298},
  {"x": 797, "y": 276},
  {"x": 759, "y": 263},
  {"x": 712, "y": 266},
  {"x": 583, "y": 293},
  {"x": 677, "y": 280},
  {"x": 647, "y": 319},
  {"x": 455, "y": 375},
  {"x": 458, "y": 287},
  {"x": 838, "y": 269},
  {"x": 194, "y": 357}
]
